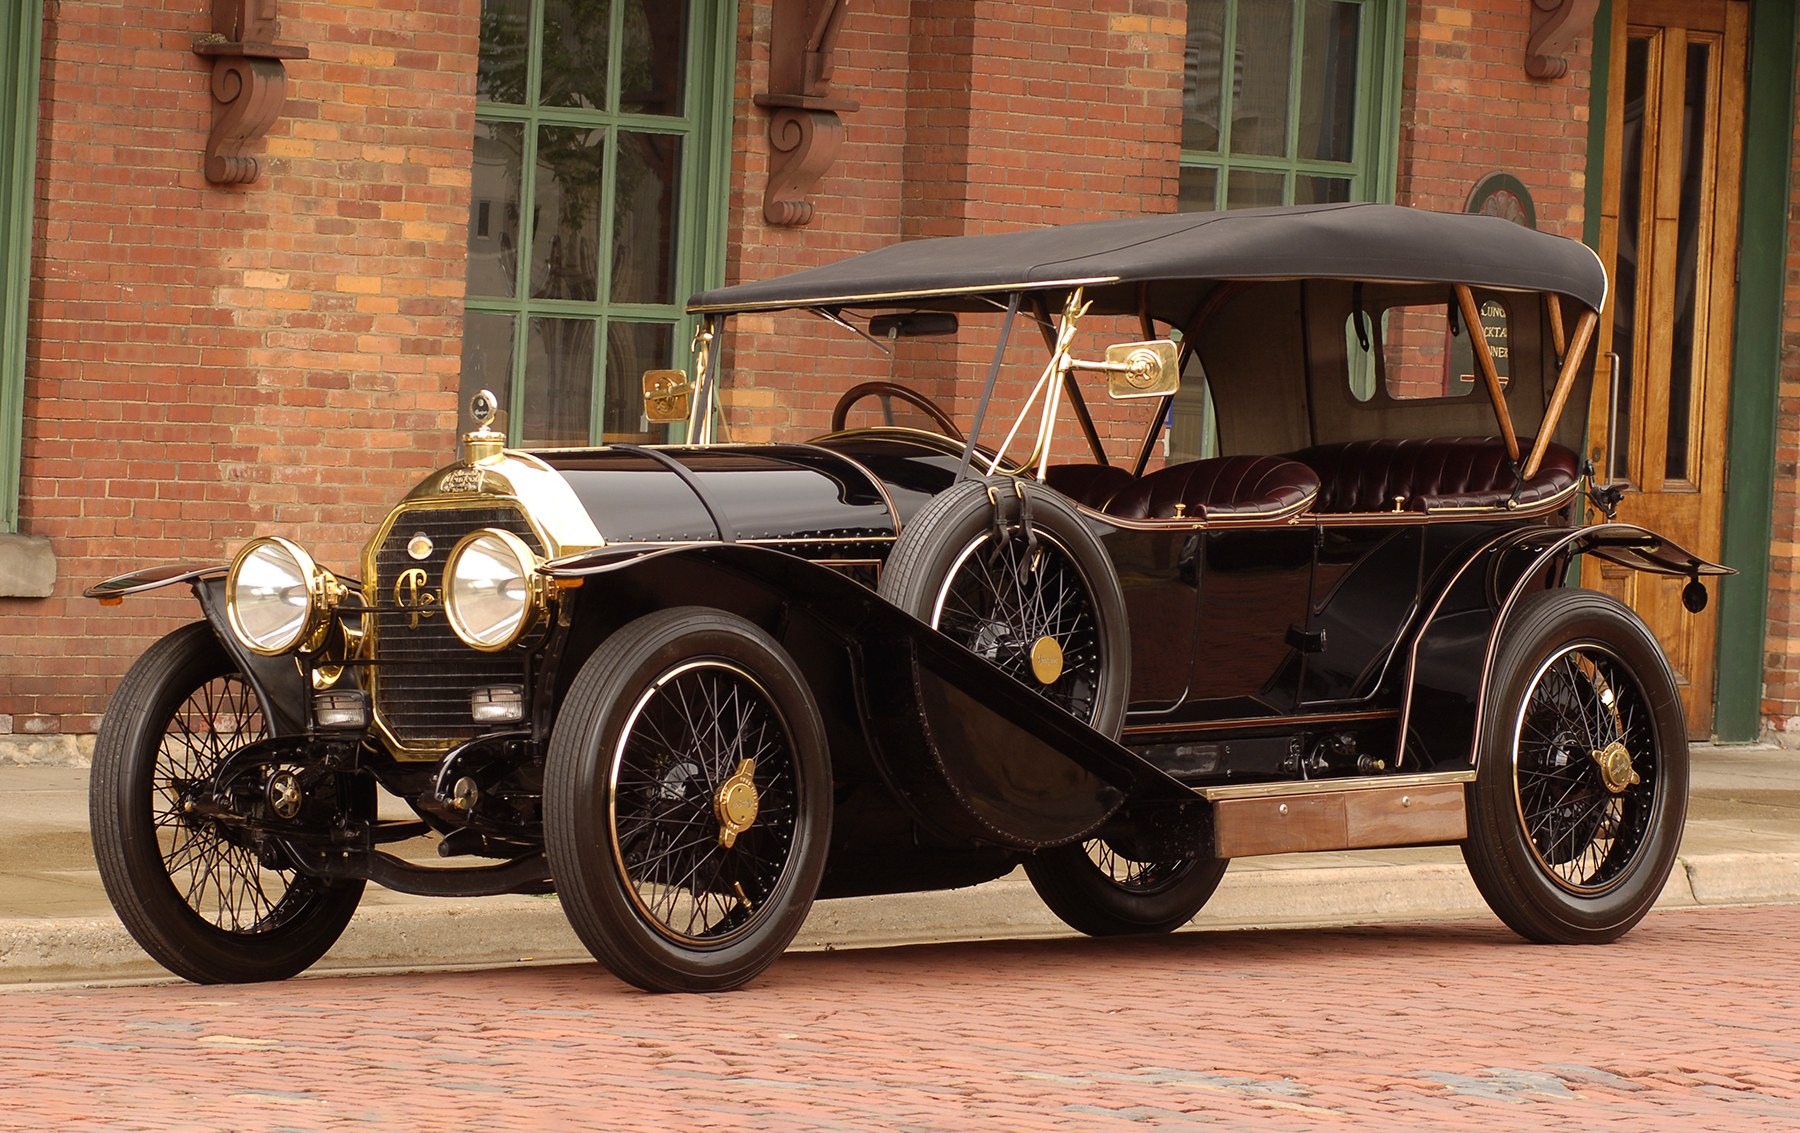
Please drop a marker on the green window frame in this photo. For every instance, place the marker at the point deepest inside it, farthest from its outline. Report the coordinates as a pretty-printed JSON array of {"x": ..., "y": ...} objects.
[
  {"x": 21, "y": 43},
  {"x": 1235, "y": 155},
  {"x": 564, "y": 305}
]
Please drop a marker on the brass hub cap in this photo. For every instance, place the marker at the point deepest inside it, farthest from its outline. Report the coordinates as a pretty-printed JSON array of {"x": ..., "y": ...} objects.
[
  {"x": 1615, "y": 768},
  {"x": 1046, "y": 660},
  {"x": 736, "y": 803}
]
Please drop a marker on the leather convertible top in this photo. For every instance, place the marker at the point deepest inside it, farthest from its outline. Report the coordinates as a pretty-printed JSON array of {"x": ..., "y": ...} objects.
[{"x": 1163, "y": 265}]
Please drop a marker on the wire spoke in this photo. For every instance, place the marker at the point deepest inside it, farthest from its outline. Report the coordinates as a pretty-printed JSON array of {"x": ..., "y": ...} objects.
[
  {"x": 689, "y": 737},
  {"x": 1584, "y": 831}
]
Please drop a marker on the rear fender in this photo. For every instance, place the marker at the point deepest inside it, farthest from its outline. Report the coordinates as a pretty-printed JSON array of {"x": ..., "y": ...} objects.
[
  {"x": 278, "y": 681},
  {"x": 1452, "y": 654}
]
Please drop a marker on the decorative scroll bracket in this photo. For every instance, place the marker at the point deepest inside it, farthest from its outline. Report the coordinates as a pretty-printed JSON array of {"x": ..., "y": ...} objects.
[
  {"x": 1554, "y": 26},
  {"x": 804, "y": 129},
  {"x": 249, "y": 84}
]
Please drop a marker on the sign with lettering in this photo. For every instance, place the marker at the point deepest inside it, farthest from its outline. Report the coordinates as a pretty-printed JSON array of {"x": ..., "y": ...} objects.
[{"x": 1464, "y": 370}]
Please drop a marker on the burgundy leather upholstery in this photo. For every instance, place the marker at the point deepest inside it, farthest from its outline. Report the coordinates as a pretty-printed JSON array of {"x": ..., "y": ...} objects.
[
  {"x": 1221, "y": 486},
  {"x": 1430, "y": 474},
  {"x": 1090, "y": 484}
]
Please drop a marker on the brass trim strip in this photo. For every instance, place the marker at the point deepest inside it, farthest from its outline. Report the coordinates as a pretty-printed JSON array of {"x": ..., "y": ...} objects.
[
  {"x": 1261, "y": 722},
  {"x": 1288, "y": 516},
  {"x": 1332, "y": 786},
  {"x": 880, "y": 296}
]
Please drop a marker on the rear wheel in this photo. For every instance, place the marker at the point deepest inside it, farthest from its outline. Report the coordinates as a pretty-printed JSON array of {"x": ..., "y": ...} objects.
[
  {"x": 1102, "y": 889},
  {"x": 200, "y": 897},
  {"x": 1577, "y": 808},
  {"x": 687, "y": 801}
]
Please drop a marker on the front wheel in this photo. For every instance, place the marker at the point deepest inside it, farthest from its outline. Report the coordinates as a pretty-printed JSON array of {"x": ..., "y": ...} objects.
[
  {"x": 196, "y": 892},
  {"x": 1100, "y": 888},
  {"x": 1581, "y": 788},
  {"x": 687, "y": 801}
]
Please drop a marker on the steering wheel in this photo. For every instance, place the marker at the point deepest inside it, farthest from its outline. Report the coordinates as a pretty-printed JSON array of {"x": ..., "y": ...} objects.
[{"x": 891, "y": 389}]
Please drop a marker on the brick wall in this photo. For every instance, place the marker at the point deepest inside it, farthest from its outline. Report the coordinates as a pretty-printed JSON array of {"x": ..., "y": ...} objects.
[
  {"x": 207, "y": 362},
  {"x": 1470, "y": 110},
  {"x": 975, "y": 117}
]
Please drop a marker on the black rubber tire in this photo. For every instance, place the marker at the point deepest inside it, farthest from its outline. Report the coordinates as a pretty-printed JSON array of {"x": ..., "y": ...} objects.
[
  {"x": 600, "y": 827},
  {"x": 178, "y": 680},
  {"x": 953, "y": 533},
  {"x": 1081, "y": 884},
  {"x": 1563, "y": 851}
]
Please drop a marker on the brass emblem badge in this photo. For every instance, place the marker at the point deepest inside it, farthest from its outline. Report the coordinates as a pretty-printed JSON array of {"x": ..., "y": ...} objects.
[{"x": 412, "y": 592}]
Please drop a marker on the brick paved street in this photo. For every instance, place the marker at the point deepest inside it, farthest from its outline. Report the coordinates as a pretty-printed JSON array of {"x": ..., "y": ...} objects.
[{"x": 1691, "y": 1022}]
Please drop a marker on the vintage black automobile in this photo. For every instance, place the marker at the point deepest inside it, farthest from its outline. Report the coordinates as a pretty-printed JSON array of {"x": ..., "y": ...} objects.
[{"x": 1321, "y": 600}]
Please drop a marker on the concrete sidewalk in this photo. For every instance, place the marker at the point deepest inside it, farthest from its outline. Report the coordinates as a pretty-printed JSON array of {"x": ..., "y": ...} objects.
[{"x": 1741, "y": 846}]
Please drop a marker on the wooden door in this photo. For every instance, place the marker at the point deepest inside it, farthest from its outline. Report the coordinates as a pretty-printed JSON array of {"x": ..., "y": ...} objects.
[{"x": 1669, "y": 235}]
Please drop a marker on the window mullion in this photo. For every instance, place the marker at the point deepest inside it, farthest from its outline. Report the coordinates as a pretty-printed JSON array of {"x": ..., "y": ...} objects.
[
  {"x": 1296, "y": 82},
  {"x": 1227, "y": 102}
]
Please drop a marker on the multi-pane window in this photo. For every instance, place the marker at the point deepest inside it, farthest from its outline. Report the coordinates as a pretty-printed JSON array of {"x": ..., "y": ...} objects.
[
  {"x": 1281, "y": 102},
  {"x": 588, "y": 140}
]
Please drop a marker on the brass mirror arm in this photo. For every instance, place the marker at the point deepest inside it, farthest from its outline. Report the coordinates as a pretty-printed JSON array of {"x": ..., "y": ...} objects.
[
  {"x": 1485, "y": 358},
  {"x": 1565, "y": 381}
]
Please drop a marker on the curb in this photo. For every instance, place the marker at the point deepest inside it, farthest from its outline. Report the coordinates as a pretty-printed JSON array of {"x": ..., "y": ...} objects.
[
  {"x": 48, "y": 750},
  {"x": 421, "y": 933}
]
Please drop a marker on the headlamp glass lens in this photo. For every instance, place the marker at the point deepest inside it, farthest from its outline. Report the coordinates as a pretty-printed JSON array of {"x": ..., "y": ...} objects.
[
  {"x": 488, "y": 590},
  {"x": 270, "y": 597}
]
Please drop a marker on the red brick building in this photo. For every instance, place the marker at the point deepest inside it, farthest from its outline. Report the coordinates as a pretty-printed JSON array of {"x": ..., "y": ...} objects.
[{"x": 519, "y": 194}]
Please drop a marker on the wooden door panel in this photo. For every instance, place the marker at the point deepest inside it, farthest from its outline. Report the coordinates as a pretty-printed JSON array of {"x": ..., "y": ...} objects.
[{"x": 1674, "y": 105}]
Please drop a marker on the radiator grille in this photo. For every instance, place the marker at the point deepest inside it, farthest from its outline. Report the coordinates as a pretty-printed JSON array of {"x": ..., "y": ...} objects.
[{"x": 423, "y": 672}]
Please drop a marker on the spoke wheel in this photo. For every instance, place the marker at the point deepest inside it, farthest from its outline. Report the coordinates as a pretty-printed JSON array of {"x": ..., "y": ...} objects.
[
  {"x": 1581, "y": 788},
  {"x": 1048, "y": 612},
  {"x": 687, "y": 801},
  {"x": 677, "y": 777},
  {"x": 192, "y": 889},
  {"x": 1005, "y": 603}
]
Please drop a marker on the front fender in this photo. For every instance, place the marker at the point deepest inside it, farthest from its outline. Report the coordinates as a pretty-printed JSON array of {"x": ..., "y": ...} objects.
[{"x": 278, "y": 681}]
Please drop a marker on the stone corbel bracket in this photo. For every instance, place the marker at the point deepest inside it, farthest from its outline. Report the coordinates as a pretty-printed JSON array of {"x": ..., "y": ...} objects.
[
  {"x": 804, "y": 129},
  {"x": 1554, "y": 26},
  {"x": 249, "y": 84}
]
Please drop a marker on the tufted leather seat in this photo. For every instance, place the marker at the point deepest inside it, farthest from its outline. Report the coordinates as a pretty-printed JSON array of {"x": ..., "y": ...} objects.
[
  {"x": 1221, "y": 486},
  {"x": 1432, "y": 474},
  {"x": 1090, "y": 484}
]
